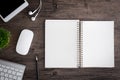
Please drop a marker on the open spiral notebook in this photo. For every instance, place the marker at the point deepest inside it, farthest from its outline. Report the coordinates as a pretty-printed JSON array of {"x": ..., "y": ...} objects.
[{"x": 75, "y": 43}]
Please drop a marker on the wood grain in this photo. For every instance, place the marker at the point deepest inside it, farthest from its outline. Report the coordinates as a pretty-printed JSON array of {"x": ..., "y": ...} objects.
[{"x": 66, "y": 9}]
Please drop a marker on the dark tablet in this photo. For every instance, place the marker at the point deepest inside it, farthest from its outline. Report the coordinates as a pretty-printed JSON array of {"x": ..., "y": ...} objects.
[{"x": 9, "y": 8}]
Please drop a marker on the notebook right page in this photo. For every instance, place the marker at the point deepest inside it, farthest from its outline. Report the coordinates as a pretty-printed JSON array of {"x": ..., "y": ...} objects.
[{"x": 97, "y": 43}]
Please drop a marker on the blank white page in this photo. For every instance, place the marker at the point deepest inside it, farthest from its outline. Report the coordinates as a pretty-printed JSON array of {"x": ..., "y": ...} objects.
[
  {"x": 98, "y": 43},
  {"x": 61, "y": 43}
]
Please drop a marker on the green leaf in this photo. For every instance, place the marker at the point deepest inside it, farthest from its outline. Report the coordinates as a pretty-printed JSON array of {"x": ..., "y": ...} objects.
[{"x": 4, "y": 38}]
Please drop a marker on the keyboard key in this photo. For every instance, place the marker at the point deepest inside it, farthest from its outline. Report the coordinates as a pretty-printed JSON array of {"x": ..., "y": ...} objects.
[
  {"x": 15, "y": 77},
  {"x": 21, "y": 71},
  {"x": 2, "y": 78},
  {"x": 19, "y": 78},
  {"x": 9, "y": 71},
  {"x": 16, "y": 70},
  {"x": 13, "y": 72},
  {"x": 10, "y": 76},
  {"x": 12, "y": 68},
  {"x": 7, "y": 67},
  {"x": 5, "y": 70},
  {"x": 6, "y": 79},
  {"x": 2, "y": 73},
  {"x": 3, "y": 66},
  {"x": 1, "y": 69},
  {"x": 19, "y": 74},
  {"x": 6, "y": 75}
]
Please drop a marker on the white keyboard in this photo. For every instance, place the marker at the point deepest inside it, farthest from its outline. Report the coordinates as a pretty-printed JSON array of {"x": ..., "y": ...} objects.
[{"x": 11, "y": 71}]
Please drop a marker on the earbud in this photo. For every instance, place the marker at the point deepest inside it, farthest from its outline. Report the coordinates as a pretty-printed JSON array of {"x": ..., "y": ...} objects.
[
  {"x": 33, "y": 18},
  {"x": 30, "y": 13},
  {"x": 33, "y": 12}
]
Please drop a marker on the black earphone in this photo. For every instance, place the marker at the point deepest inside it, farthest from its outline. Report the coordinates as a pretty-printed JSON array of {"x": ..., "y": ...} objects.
[{"x": 33, "y": 12}]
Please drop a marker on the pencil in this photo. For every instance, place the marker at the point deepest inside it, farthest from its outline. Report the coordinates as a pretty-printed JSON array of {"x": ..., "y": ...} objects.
[{"x": 37, "y": 68}]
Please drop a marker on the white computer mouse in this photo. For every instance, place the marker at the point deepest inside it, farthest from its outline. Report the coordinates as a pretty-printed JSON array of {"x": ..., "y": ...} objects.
[{"x": 24, "y": 42}]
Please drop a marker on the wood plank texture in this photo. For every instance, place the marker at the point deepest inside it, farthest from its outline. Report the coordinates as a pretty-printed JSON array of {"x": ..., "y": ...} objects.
[{"x": 66, "y": 9}]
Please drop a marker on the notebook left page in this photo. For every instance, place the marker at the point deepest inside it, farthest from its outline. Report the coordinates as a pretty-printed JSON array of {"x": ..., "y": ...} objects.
[{"x": 61, "y": 43}]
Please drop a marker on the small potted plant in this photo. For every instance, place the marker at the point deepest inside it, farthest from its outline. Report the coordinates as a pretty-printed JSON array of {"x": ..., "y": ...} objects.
[{"x": 4, "y": 38}]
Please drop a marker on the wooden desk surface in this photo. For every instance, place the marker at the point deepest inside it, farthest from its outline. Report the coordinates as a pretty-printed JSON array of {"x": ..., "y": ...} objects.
[{"x": 66, "y": 9}]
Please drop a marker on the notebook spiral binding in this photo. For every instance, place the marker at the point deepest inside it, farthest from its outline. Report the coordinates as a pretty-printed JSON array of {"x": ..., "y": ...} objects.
[
  {"x": 81, "y": 46},
  {"x": 78, "y": 45}
]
